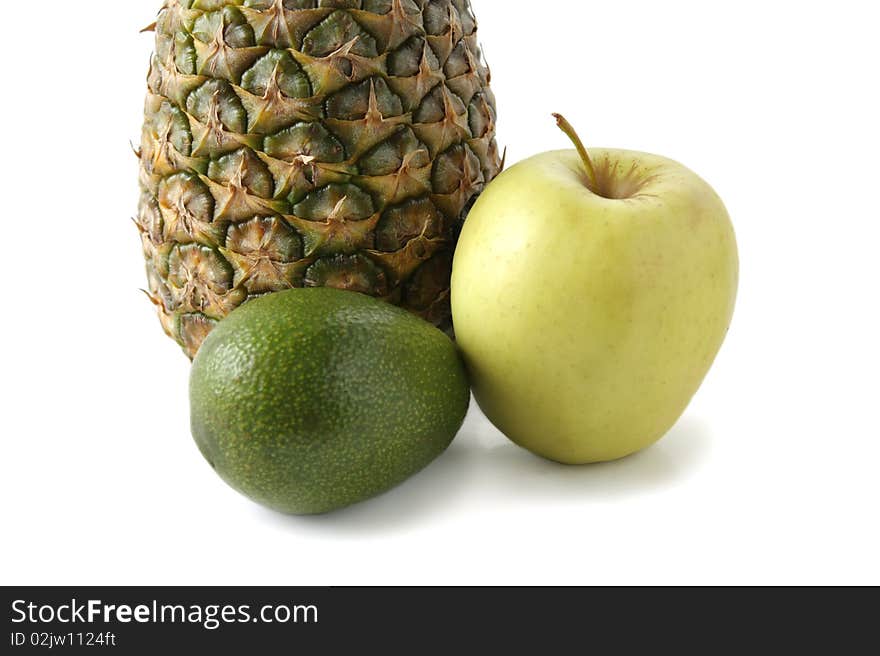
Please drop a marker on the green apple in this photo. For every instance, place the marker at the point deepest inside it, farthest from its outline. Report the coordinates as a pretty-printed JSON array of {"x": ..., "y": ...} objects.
[{"x": 591, "y": 292}]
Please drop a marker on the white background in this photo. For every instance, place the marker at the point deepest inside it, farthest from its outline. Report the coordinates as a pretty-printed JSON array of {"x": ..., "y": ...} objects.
[{"x": 772, "y": 476}]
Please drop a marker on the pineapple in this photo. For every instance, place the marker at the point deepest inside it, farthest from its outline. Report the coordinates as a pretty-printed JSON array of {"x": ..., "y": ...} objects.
[{"x": 292, "y": 143}]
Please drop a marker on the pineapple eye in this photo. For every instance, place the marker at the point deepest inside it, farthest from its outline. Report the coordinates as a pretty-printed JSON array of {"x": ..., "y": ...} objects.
[
  {"x": 245, "y": 168},
  {"x": 341, "y": 202},
  {"x": 216, "y": 101},
  {"x": 269, "y": 237},
  {"x": 353, "y": 102},
  {"x": 389, "y": 156},
  {"x": 399, "y": 225},
  {"x": 481, "y": 116},
  {"x": 455, "y": 168},
  {"x": 264, "y": 252},
  {"x": 277, "y": 67},
  {"x": 354, "y": 273},
  {"x": 336, "y": 31},
  {"x": 186, "y": 203},
  {"x": 200, "y": 282},
  {"x": 169, "y": 125},
  {"x": 434, "y": 107},
  {"x": 458, "y": 63},
  {"x": 407, "y": 60},
  {"x": 185, "y": 57},
  {"x": 305, "y": 139},
  {"x": 436, "y": 18},
  {"x": 228, "y": 27}
]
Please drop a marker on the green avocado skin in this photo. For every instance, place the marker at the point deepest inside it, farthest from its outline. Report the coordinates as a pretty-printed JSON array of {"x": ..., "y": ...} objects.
[{"x": 311, "y": 400}]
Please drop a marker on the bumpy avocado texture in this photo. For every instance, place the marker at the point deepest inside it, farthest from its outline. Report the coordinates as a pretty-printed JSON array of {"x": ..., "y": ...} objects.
[{"x": 311, "y": 400}]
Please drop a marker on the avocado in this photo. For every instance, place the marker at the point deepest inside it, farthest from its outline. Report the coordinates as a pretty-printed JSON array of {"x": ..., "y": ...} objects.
[{"x": 310, "y": 400}]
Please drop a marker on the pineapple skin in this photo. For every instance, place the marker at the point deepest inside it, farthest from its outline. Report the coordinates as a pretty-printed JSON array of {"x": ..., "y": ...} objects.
[{"x": 292, "y": 143}]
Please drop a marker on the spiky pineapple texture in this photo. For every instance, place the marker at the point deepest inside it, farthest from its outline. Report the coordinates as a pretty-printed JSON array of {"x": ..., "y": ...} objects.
[{"x": 310, "y": 143}]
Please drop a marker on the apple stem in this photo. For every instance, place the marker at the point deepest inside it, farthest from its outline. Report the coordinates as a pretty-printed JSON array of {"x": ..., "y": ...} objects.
[{"x": 567, "y": 127}]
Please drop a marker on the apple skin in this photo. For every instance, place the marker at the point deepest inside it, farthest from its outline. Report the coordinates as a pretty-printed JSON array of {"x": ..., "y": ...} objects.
[{"x": 588, "y": 323}]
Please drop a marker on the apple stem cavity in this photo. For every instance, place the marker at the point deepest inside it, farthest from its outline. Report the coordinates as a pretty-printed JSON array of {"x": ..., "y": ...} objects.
[{"x": 569, "y": 130}]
